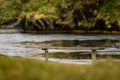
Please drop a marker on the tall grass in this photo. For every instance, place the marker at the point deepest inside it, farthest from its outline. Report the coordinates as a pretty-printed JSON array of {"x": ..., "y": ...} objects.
[{"x": 16, "y": 68}]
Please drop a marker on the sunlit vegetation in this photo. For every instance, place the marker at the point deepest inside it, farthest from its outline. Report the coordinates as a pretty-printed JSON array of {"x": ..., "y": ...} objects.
[
  {"x": 17, "y": 68},
  {"x": 62, "y": 14}
]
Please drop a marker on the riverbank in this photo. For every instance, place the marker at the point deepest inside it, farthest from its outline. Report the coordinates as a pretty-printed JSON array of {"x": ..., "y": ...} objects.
[
  {"x": 72, "y": 32},
  {"x": 12, "y": 68},
  {"x": 61, "y": 31}
]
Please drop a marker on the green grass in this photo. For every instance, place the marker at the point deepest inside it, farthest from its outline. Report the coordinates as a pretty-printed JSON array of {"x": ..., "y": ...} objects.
[{"x": 17, "y": 68}]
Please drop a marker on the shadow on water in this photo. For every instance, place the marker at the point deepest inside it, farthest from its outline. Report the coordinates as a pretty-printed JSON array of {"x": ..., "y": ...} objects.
[
  {"x": 84, "y": 43},
  {"x": 107, "y": 43},
  {"x": 79, "y": 55}
]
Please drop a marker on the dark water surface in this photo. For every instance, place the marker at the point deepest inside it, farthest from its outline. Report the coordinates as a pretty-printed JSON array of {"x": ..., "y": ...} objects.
[{"x": 13, "y": 43}]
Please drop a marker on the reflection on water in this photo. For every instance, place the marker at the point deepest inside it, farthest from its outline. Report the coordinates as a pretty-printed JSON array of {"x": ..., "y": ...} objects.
[
  {"x": 80, "y": 55},
  {"x": 84, "y": 43},
  {"x": 14, "y": 43}
]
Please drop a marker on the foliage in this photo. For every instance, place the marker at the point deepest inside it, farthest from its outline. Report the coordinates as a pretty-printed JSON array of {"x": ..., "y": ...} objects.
[
  {"x": 110, "y": 11},
  {"x": 88, "y": 11}
]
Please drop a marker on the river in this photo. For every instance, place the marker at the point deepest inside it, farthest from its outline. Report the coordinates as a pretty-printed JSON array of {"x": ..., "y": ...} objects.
[{"x": 14, "y": 43}]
